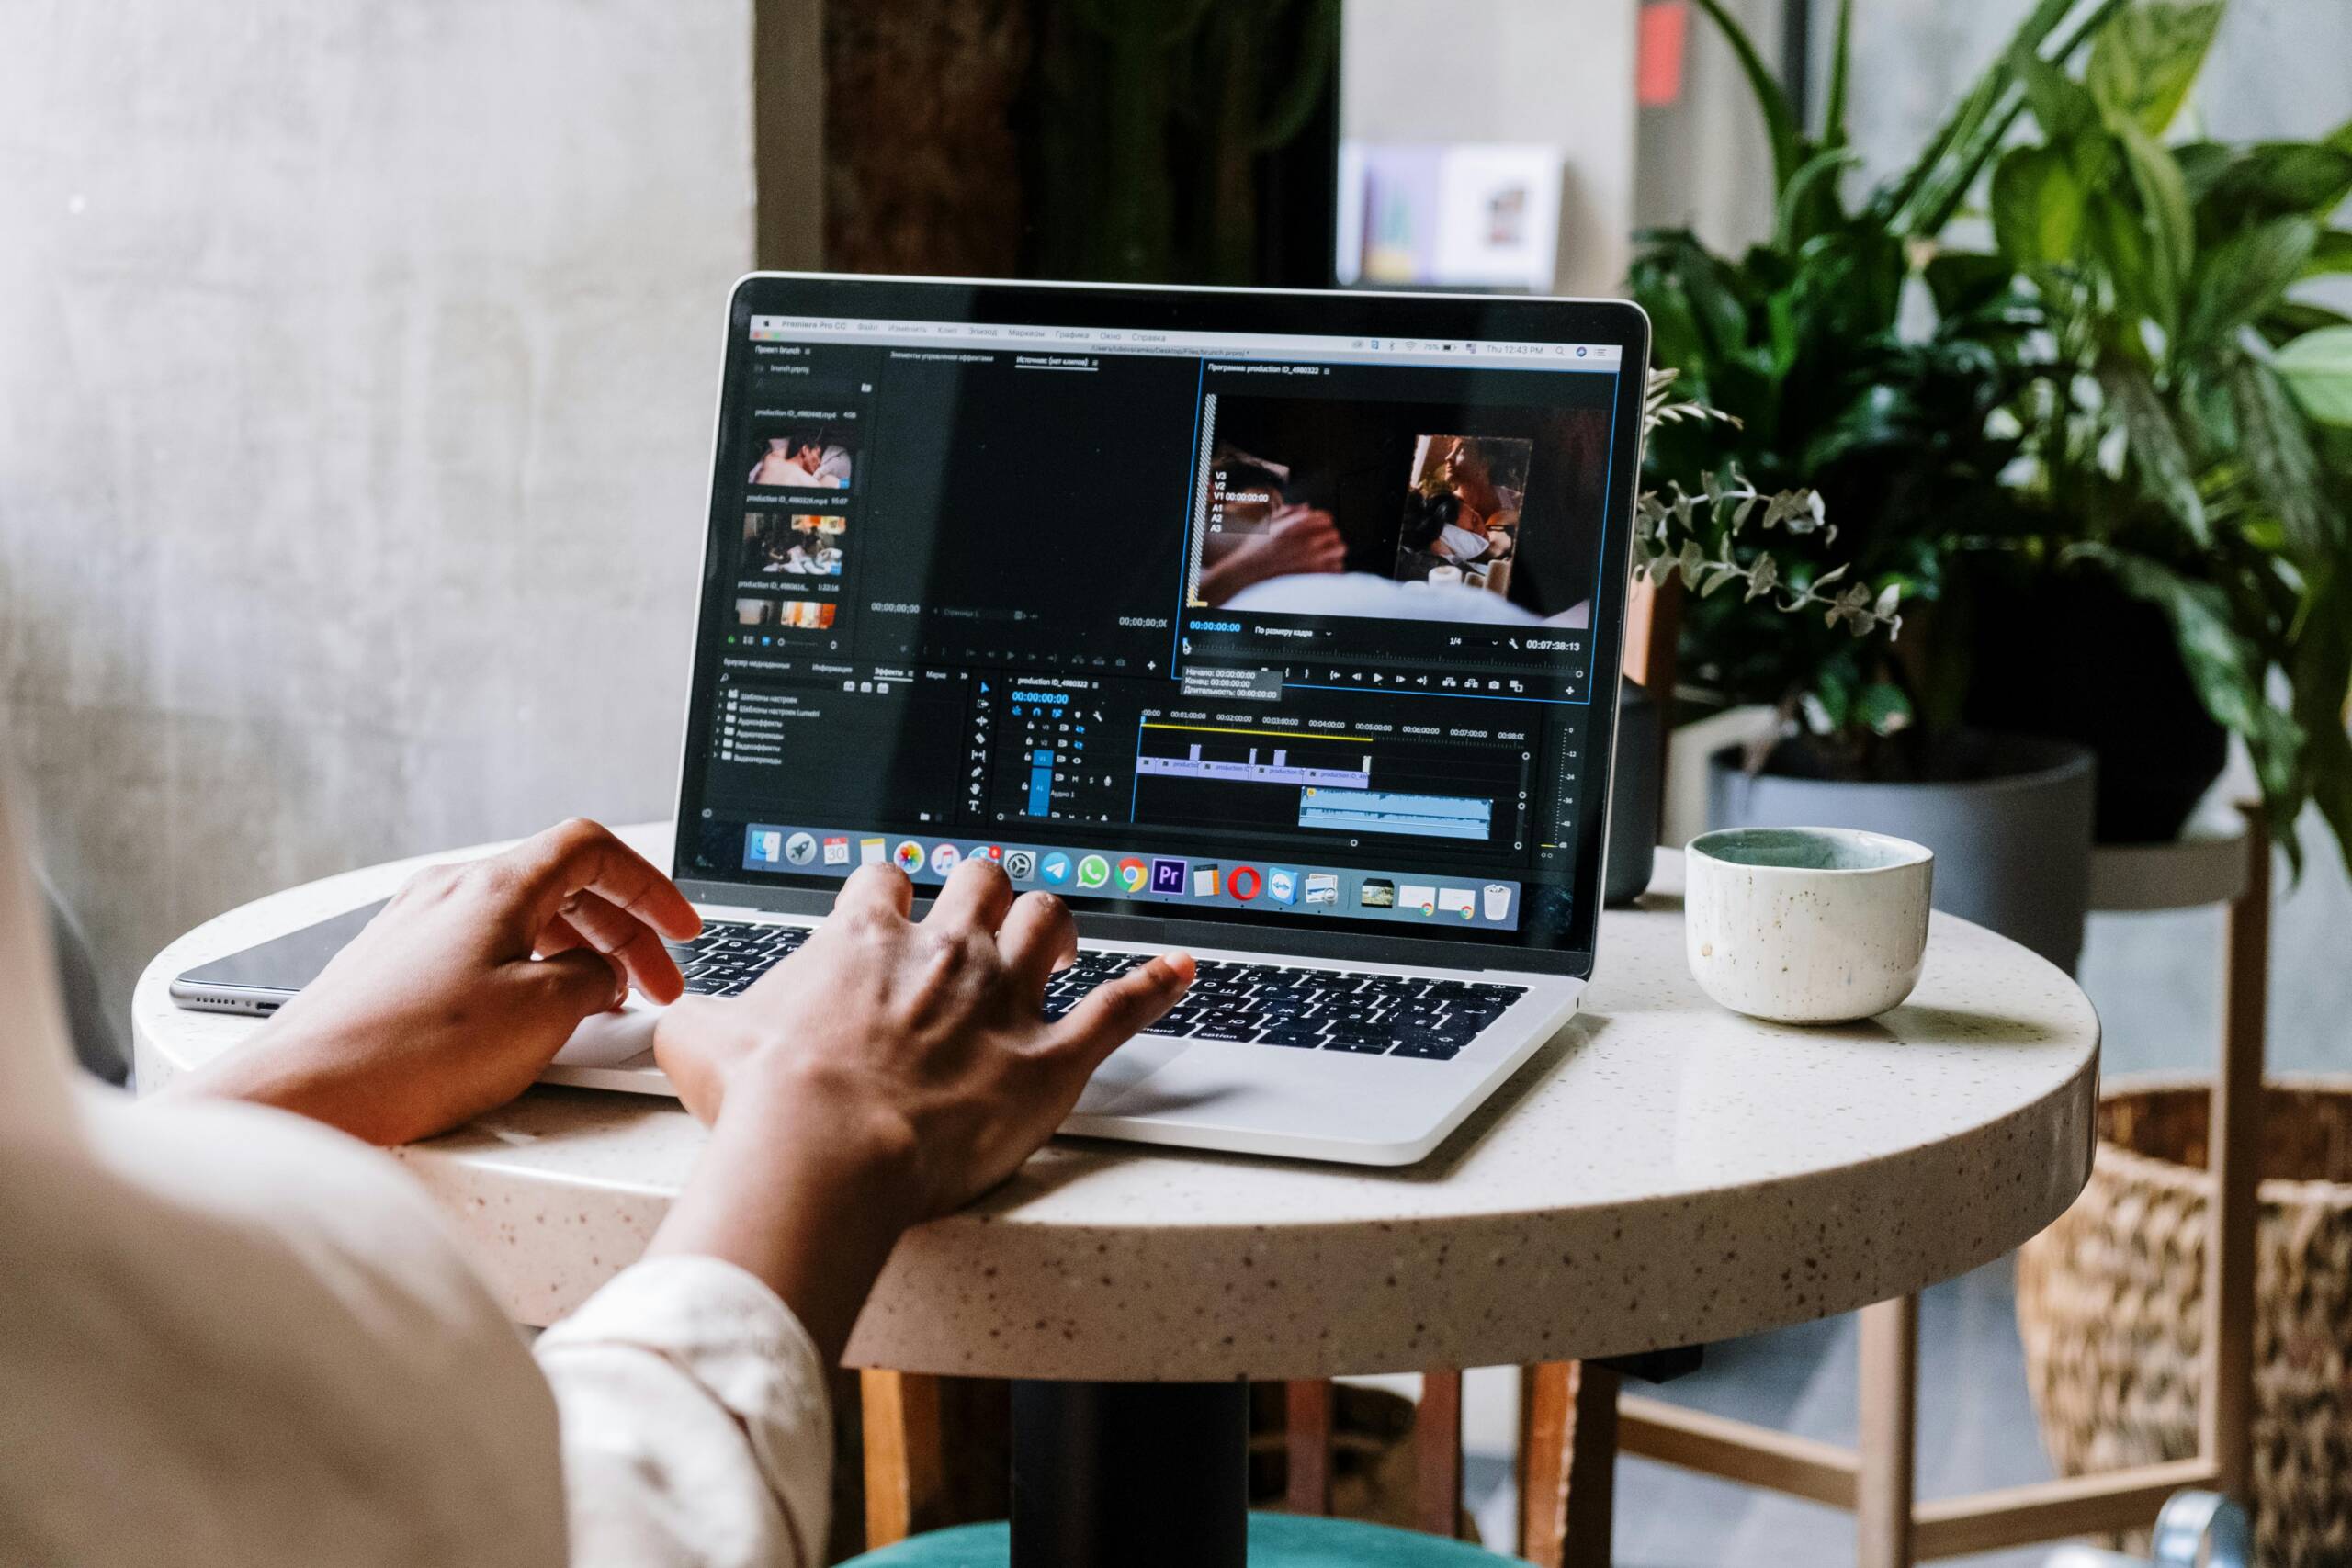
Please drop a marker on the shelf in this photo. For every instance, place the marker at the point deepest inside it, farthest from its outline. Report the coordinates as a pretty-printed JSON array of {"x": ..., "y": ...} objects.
[{"x": 2207, "y": 864}]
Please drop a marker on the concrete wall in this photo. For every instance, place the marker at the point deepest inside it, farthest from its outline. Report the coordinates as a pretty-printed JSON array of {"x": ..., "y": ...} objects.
[{"x": 355, "y": 411}]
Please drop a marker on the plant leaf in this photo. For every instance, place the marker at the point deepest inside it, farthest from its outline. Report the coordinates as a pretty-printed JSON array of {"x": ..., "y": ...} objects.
[
  {"x": 1923, "y": 200},
  {"x": 1779, "y": 118},
  {"x": 1962, "y": 281},
  {"x": 1801, "y": 202},
  {"x": 2320, "y": 673},
  {"x": 2283, "y": 463},
  {"x": 2037, "y": 206},
  {"x": 2275, "y": 179},
  {"x": 2317, "y": 367},
  {"x": 2064, "y": 107},
  {"x": 2172, "y": 224},
  {"x": 1841, "y": 61},
  {"x": 1882, "y": 707},
  {"x": 2145, "y": 60},
  {"x": 2331, "y": 255},
  {"x": 2157, "y": 452},
  {"x": 2243, "y": 276}
]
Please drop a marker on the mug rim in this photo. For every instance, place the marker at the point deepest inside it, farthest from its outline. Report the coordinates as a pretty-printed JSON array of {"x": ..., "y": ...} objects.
[{"x": 1904, "y": 852}]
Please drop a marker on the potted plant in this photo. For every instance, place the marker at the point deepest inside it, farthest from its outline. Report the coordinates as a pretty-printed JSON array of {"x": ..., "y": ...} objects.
[
  {"x": 2187, "y": 436},
  {"x": 1861, "y": 369}
]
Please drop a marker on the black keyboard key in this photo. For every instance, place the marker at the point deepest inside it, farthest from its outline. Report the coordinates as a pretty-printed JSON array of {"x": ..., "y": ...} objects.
[
  {"x": 1428, "y": 1050},
  {"x": 1359, "y": 1045}
]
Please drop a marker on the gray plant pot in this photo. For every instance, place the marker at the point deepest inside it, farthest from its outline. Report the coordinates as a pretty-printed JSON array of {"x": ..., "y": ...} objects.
[{"x": 2012, "y": 838}]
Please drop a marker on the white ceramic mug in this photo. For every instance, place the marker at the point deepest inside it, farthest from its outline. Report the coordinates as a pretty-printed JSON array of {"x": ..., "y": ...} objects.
[{"x": 1806, "y": 925}]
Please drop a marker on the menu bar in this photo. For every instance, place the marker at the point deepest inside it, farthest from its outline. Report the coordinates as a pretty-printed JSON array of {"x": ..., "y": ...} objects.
[
  {"x": 1176, "y": 882},
  {"x": 1507, "y": 355}
]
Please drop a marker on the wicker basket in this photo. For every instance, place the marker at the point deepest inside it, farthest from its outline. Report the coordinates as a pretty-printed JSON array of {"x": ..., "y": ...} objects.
[{"x": 2109, "y": 1304}]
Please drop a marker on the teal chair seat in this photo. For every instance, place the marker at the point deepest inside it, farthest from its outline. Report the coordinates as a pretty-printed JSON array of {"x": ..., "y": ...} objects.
[{"x": 1276, "y": 1541}]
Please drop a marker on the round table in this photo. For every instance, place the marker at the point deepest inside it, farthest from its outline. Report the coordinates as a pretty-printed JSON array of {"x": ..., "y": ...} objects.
[{"x": 1663, "y": 1173}]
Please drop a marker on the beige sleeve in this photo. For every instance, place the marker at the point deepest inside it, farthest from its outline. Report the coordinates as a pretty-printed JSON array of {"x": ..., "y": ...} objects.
[{"x": 696, "y": 1431}]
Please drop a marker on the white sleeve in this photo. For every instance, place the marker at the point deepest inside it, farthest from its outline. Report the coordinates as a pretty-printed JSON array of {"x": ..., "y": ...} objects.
[{"x": 696, "y": 1431}]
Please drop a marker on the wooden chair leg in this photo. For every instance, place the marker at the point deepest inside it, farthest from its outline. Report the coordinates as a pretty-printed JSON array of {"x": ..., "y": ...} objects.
[
  {"x": 1306, "y": 1441},
  {"x": 1883, "y": 1487},
  {"x": 1437, "y": 1455},
  {"x": 903, "y": 1454},
  {"x": 1567, "y": 1463},
  {"x": 2233, "y": 1145}
]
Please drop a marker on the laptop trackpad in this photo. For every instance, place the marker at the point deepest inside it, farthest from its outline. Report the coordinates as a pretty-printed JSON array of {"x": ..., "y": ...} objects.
[
  {"x": 1128, "y": 1066},
  {"x": 612, "y": 1039}
]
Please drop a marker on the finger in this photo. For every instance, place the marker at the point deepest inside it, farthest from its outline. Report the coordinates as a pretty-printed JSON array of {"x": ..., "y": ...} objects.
[
  {"x": 1111, "y": 1013},
  {"x": 581, "y": 855},
  {"x": 1038, "y": 938},
  {"x": 882, "y": 889},
  {"x": 583, "y": 981},
  {"x": 629, "y": 942},
  {"x": 976, "y": 897},
  {"x": 561, "y": 936}
]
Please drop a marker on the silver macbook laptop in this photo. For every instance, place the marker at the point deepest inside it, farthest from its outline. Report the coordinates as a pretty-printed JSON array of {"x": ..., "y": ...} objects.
[{"x": 1281, "y": 627}]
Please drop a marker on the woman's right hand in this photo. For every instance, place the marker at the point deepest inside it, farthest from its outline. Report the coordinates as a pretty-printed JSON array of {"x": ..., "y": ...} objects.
[{"x": 888, "y": 1071}]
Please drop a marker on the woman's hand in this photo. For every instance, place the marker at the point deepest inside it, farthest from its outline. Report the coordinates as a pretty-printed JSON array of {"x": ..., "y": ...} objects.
[
  {"x": 1298, "y": 539},
  {"x": 885, "y": 1072},
  {"x": 438, "y": 1011}
]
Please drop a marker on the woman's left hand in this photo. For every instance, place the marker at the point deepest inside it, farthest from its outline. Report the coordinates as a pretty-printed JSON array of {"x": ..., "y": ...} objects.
[{"x": 459, "y": 994}]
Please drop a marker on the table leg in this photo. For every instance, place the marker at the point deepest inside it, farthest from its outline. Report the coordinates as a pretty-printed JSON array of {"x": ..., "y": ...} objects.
[
  {"x": 1144, "y": 1476},
  {"x": 1884, "y": 1480}
]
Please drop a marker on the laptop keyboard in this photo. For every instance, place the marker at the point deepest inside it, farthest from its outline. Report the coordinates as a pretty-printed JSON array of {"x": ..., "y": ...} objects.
[
  {"x": 1265, "y": 1004},
  {"x": 729, "y": 954}
]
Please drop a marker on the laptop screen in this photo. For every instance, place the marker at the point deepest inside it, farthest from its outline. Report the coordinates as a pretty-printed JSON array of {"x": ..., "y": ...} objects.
[{"x": 1302, "y": 629}]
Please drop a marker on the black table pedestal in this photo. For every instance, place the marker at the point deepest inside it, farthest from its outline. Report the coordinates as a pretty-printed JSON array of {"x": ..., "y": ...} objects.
[{"x": 1131, "y": 1474}]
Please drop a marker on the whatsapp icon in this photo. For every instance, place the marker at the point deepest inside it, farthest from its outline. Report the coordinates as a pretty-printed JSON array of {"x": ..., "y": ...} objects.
[{"x": 1093, "y": 871}]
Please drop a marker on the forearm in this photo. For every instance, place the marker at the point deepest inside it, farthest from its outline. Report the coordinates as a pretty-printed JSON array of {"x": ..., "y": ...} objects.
[
  {"x": 806, "y": 1188},
  {"x": 322, "y": 1077}
]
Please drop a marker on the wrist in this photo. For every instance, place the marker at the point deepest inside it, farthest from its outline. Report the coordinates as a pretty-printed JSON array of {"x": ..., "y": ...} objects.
[
  {"x": 808, "y": 1181},
  {"x": 821, "y": 1126}
]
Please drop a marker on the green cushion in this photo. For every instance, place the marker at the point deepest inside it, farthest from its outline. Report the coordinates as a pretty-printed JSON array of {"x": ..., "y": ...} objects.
[{"x": 1276, "y": 1541}]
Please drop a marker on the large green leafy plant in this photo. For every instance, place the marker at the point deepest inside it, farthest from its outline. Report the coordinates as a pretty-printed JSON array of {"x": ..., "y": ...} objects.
[
  {"x": 2129, "y": 381},
  {"x": 2188, "y": 430},
  {"x": 1813, "y": 342}
]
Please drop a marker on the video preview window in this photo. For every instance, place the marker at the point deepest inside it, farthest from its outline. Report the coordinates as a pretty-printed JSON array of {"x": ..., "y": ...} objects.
[
  {"x": 795, "y": 544},
  {"x": 1399, "y": 511},
  {"x": 773, "y": 614},
  {"x": 801, "y": 454}
]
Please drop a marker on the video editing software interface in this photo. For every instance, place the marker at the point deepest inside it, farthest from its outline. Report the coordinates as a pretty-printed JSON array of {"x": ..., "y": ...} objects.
[{"x": 1219, "y": 625}]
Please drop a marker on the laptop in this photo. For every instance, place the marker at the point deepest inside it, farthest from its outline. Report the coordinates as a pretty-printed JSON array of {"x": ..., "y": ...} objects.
[{"x": 1281, "y": 627}]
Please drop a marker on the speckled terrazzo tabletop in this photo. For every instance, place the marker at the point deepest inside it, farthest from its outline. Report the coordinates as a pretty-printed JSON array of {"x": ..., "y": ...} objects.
[{"x": 1662, "y": 1173}]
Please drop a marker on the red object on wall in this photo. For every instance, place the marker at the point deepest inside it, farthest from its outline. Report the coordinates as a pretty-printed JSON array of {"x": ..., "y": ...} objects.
[{"x": 1657, "y": 60}]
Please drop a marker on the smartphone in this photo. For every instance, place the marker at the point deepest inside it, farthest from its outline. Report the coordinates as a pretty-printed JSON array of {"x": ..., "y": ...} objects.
[{"x": 262, "y": 978}]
